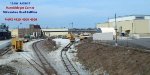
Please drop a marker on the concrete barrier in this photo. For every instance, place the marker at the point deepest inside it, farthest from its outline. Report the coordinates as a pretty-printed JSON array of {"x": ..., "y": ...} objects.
[{"x": 103, "y": 36}]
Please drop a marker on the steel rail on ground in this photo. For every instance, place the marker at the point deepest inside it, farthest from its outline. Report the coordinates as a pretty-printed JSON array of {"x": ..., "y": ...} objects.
[{"x": 67, "y": 63}]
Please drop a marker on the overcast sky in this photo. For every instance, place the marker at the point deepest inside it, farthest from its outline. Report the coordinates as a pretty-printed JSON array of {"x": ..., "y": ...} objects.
[{"x": 83, "y": 13}]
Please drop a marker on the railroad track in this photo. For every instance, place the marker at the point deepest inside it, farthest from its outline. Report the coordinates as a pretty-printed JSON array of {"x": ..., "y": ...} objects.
[
  {"x": 33, "y": 63},
  {"x": 42, "y": 66},
  {"x": 44, "y": 62},
  {"x": 67, "y": 63},
  {"x": 5, "y": 50}
]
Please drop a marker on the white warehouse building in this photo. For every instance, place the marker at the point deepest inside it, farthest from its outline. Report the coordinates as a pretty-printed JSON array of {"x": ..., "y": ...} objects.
[
  {"x": 55, "y": 32},
  {"x": 136, "y": 24}
]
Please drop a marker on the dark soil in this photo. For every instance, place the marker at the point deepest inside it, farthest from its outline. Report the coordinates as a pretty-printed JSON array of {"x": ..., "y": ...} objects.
[
  {"x": 114, "y": 60},
  {"x": 7, "y": 70},
  {"x": 47, "y": 45}
]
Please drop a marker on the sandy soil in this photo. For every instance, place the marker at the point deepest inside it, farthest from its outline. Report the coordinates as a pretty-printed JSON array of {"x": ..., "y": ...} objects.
[{"x": 104, "y": 59}]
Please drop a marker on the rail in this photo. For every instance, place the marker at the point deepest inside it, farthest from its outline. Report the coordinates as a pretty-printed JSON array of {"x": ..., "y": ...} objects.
[
  {"x": 41, "y": 65},
  {"x": 34, "y": 65},
  {"x": 67, "y": 63},
  {"x": 44, "y": 62},
  {"x": 5, "y": 50}
]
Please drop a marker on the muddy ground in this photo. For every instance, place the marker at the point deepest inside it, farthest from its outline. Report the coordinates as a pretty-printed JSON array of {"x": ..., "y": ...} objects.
[
  {"x": 103, "y": 59},
  {"x": 7, "y": 70},
  {"x": 47, "y": 45}
]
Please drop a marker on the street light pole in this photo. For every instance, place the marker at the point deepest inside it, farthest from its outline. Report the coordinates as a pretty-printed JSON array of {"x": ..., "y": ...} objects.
[
  {"x": 116, "y": 41},
  {"x": 108, "y": 23},
  {"x": 72, "y": 25},
  {"x": 132, "y": 30}
]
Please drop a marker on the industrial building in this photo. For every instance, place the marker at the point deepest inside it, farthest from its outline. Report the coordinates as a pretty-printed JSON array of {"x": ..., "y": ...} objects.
[
  {"x": 137, "y": 25},
  {"x": 4, "y": 32},
  {"x": 50, "y": 32},
  {"x": 33, "y": 31},
  {"x": 55, "y": 32}
]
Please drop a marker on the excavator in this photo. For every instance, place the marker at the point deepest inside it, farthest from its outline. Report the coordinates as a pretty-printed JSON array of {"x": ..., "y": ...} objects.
[{"x": 71, "y": 37}]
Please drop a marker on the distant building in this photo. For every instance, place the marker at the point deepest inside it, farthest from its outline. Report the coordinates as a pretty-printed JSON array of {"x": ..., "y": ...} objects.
[
  {"x": 3, "y": 27},
  {"x": 55, "y": 32},
  {"x": 4, "y": 32},
  {"x": 136, "y": 24},
  {"x": 33, "y": 30},
  {"x": 83, "y": 30},
  {"x": 107, "y": 30}
]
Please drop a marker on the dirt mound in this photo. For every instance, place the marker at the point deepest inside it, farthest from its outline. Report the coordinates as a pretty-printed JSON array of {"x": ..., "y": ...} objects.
[
  {"x": 113, "y": 60},
  {"x": 7, "y": 70},
  {"x": 45, "y": 47},
  {"x": 48, "y": 45}
]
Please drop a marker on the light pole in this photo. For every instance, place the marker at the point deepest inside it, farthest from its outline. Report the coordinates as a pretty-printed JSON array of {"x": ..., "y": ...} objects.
[
  {"x": 108, "y": 23},
  {"x": 132, "y": 30},
  {"x": 116, "y": 41},
  {"x": 72, "y": 25}
]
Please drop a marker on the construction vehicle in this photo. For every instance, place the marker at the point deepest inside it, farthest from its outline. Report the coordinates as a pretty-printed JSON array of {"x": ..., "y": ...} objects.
[
  {"x": 71, "y": 37},
  {"x": 84, "y": 36},
  {"x": 26, "y": 38},
  {"x": 17, "y": 44},
  {"x": 81, "y": 37}
]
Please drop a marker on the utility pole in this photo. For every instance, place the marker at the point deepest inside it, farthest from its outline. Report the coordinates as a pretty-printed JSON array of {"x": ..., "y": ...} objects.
[
  {"x": 116, "y": 41},
  {"x": 72, "y": 25},
  {"x": 18, "y": 26},
  {"x": 108, "y": 22},
  {"x": 132, "y": 30}
]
